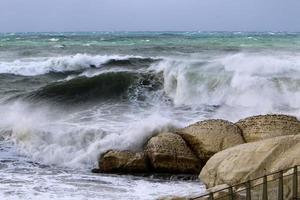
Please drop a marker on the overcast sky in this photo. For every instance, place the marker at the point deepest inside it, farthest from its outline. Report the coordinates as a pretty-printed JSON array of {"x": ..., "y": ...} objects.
[{"x": 149, "y": 15}]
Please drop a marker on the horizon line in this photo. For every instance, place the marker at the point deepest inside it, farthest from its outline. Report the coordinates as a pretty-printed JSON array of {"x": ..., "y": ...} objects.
[{"x": 152, "y": 31}]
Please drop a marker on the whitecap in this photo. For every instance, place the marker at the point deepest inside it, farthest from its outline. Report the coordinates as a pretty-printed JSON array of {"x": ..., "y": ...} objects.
[
  {"x": 54, "y": 39},
  {"x": 44, "y": 65}
]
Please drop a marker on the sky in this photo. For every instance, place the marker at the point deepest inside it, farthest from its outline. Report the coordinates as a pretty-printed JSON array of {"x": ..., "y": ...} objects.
[{"x": 149, "y": 15}]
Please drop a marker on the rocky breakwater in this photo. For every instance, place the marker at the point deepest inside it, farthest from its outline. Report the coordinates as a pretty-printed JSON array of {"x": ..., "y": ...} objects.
[
  {"x": 163, "y": 153},
  {"x": 225, "y": 152},
  {"x": 211, "y": 136},
  {"x": 169, "y": 153},
  {"x": 249, "y": 161},
  {"x": 183, "y": 151},
  {"x": 268, "y": 126},
  {"x": 273, "y": 145},
  {"x": 123, "y": 162}
]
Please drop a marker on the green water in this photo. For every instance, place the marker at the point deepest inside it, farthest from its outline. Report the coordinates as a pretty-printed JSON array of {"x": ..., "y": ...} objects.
[{"x": 144, "y": 43}]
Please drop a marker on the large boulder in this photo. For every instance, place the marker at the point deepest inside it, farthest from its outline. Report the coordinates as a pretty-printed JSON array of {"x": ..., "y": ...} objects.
[
  {"x": 211, "y": 136},
  {"x": 169, "y": 153},
  {"x": 251, "y": 160},
  {"x": 123, "y": 162},
  {"x": 267, "y": 126}
]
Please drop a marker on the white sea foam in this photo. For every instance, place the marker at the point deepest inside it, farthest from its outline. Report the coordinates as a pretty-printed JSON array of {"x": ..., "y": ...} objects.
[
  {"x": 38, "y": 66},
  {"x": 242, "y": 84},
  {"x": 52, "y": 183},
  {"x": 72, "y": 141},
  {"x": 23, "y": 179},
  {"x": 54, "y": 39}
]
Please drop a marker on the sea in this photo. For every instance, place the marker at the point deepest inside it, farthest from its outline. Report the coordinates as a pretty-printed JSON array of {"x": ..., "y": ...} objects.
[{"x": 66, "y": 98}]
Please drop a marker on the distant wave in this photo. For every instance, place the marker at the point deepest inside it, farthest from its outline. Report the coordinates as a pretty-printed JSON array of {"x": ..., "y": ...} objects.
[
  {"x": 78, "y": 62},
  {"x": 131, "y": 61}
]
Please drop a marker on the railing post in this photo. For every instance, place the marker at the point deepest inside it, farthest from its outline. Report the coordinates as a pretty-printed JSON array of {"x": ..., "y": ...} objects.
[
  {"x": 231, "y": 193},
  {"x": 248, "y": 190},
  {"x": 211, "y": 196},
  {"x": 265, "y": 188},
  {"x": 295, "y": 182},
  {"x": 280, "y": 186}
]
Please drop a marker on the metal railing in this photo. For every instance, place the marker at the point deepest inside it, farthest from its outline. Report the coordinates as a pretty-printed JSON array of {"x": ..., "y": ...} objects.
[{"x": 280, "y": 185}]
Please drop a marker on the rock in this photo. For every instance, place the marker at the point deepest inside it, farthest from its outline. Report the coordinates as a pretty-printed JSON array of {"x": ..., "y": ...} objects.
[
  {"x": 252, "y": 160},
  {"x": 267, "y": 126},
  {"x": 123, "y": 162},
  {"x": 96, "y": 170},
  {"x": 169, "y": 153},
  {"x": 211, "y": 136}
]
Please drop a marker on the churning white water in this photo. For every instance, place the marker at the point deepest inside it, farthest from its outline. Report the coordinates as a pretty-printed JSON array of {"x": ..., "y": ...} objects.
[{"x": 44, "y": 65}]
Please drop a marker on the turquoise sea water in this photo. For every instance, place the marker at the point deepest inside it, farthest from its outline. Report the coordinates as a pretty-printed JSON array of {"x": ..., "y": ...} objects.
[{"x": 118, "y": 42}]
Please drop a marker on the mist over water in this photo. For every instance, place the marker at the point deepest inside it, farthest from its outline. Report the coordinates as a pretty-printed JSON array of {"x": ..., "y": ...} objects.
[{"x": 65, "y": 98}]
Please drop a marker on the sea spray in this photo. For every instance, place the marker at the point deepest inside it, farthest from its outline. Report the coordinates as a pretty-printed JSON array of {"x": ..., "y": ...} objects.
[
  {"x": 244, "y": 83},
  {"x": 61, "y": 141}
]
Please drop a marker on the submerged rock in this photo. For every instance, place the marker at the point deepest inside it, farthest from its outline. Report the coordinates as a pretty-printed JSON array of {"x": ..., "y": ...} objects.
[
  {"x": 211, "y": 136},
  {"x": 267, "y": 126},
  {"x": 123, "y": 162},
  {"x": 168, "y": 152},
  {"x": 248, "y": 161}
]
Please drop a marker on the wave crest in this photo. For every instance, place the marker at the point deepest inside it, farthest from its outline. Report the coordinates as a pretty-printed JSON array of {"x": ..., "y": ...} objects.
[
  {"x": 111, "y": 85},
  {"x": 78, "y": 62},
  {"x": 254, "y": 83}
]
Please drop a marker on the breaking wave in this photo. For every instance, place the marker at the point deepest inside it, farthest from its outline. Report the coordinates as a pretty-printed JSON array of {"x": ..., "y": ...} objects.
[
  {"x": 116, "y": 85},
  {"x": 225, "y": 86},
  {"x": 76, "y": 140},
  {"x": 248, "y": 83},
  {"x": 78, "y": 62}
]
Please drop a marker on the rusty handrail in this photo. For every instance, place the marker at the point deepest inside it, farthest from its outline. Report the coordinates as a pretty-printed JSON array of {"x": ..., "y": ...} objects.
[{"x": 264, "y": 183}]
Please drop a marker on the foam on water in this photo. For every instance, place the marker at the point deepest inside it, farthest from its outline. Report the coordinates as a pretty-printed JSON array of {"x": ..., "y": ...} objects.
[
  {"x": 73, "y": 141},
  {"x": 23, "y": 179},
  {"x": 69, "y": 144},
  {"x": 38, "y": 66},
  {"x": 245, "y": 83},
  {"x": 54, "y": 39}
]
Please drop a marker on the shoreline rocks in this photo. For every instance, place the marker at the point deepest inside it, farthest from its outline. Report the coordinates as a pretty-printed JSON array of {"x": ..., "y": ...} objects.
[
  {"x": 249, "y": 161},
  {"x": 164, "y": 153},
  {"x": 272, "y": 144},
  {"x": 211, "y": 136},
  {"x": 168, "y": 152},
  {"x": 267, "y": 126},
  {"x": 123, "y": 162}
]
